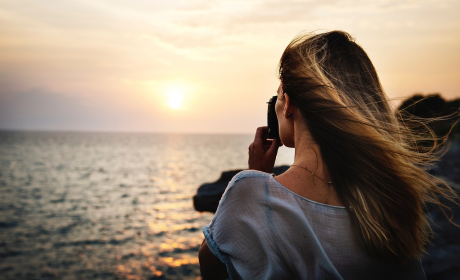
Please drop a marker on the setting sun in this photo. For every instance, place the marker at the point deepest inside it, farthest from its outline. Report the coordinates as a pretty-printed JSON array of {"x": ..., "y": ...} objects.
[{"x": 175, "y": 96}]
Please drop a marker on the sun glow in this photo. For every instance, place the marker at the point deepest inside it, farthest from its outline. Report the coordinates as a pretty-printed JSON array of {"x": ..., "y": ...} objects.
[{"x": 175, "y": 97}]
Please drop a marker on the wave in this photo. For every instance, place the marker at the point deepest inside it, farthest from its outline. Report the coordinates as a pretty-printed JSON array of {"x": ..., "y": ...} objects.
[{"x": 93, "y": 242}]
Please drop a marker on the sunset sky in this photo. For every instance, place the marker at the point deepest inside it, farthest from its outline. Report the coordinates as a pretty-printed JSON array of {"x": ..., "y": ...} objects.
[{"x": 198, "y": 66}]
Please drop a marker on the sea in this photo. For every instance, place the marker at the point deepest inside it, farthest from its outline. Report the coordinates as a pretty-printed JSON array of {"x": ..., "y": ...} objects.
[{"x": 77, "y": 205}]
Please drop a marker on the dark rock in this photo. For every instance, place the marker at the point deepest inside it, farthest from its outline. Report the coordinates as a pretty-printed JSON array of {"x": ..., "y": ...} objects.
[
  {"x": 209, "y": 194},
  {"x": 441, "y": 258},
  {"x": 448, "y": 166}
]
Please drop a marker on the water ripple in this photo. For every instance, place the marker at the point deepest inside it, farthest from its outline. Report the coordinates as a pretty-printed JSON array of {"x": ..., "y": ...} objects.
[{"x": 105, "y": 206}]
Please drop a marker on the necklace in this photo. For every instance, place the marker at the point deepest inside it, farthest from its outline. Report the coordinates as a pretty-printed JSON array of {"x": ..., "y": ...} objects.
[{"x": 313, "y": 173}]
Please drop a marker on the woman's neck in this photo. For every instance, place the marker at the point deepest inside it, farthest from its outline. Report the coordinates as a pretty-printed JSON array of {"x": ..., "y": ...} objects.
[{"x": 308, "y": 153}]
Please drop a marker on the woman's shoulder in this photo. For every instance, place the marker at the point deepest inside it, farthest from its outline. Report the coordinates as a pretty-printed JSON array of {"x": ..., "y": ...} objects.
[
  {"x": 254, "y": 174},
  {"x": 247, "y": 182}
]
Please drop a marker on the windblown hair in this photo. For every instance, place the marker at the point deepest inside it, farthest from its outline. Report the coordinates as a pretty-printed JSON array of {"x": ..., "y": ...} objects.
[{"x": 373, "y": 158}]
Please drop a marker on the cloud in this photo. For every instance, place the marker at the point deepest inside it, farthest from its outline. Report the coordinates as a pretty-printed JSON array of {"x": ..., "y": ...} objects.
[{"x": 75, "y": 56}]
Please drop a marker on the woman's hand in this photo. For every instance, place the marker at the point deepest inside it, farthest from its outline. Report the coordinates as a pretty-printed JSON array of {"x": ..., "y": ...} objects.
[{"x": 262, "y": 152}]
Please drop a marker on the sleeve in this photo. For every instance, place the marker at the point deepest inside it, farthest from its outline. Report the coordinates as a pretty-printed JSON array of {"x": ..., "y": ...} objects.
[{"x": 238, "y": 229}]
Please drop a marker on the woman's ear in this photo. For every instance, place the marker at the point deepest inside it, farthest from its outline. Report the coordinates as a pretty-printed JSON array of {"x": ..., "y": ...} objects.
[{"x": 287, "y": 106}]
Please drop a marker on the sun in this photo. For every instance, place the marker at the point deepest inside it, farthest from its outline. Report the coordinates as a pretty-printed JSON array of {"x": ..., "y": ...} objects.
[{"x": 175, "y": 97}]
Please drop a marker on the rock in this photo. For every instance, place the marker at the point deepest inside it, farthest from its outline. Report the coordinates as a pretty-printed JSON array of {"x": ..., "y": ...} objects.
[
  {"x": 441, "y": 259},
  {"x": 209, "y": 194},
  {"x": 448, "y": 166}
]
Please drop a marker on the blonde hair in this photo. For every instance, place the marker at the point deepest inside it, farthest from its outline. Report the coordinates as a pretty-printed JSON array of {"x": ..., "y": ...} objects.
[{"x": 378, "y": 169}]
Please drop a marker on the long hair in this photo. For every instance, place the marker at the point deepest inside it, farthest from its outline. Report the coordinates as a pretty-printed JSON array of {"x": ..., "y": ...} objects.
[{"x": 374, "y": 160}]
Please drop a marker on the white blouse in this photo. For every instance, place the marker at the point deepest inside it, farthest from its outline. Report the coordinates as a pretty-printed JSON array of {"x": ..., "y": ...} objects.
[{"x": 262, "y": 230}]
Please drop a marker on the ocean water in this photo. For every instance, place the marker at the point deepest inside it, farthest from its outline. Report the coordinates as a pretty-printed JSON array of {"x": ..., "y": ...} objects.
[{"x": 108, "y": 205}]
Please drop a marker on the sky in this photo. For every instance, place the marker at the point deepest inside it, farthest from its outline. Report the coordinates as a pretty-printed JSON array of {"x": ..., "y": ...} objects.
[{"x": 199, "y": 66}]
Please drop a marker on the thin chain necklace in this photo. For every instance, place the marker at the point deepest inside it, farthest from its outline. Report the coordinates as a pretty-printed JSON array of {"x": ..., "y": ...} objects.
[{"x": 313, "y": 173}]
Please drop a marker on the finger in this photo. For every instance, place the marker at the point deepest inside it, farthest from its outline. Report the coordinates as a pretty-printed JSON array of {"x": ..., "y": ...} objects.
[
  {"x": 268, "y": 142},
  {"x": 274, "y": 147},
  {"x": 260, "y": 133}
]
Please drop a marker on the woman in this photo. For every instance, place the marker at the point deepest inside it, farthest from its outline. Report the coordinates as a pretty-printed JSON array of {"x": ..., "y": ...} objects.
[{"x": 351, "y": 205}]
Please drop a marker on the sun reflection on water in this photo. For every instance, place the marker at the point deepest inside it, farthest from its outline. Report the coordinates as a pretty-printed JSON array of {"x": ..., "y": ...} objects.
[
  {"x": 105, "y": 206},
  {"x": 133, "y": 269}
]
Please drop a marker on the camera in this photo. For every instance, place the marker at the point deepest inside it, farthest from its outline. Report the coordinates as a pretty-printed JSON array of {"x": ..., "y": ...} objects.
[{"x": 272, "y": 120}]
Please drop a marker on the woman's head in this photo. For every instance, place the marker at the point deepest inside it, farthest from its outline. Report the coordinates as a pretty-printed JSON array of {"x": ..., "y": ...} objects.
[
  {"x": 330, "y": 68},
  {"x": 371, "y": 158}
]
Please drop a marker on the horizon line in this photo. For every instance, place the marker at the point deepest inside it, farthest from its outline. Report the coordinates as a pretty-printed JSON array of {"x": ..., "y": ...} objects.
[{"x": 123, "y": 132}]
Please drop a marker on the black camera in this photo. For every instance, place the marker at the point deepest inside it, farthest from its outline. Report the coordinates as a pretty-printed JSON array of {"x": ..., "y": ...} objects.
[{"x": 272, "y": 120}]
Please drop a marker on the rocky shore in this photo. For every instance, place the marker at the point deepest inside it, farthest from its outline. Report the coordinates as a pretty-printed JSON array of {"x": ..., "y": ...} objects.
[{"x": 441, "y": 261}]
